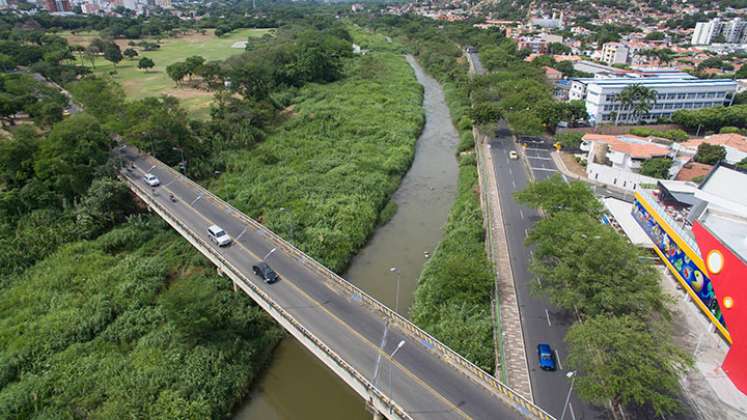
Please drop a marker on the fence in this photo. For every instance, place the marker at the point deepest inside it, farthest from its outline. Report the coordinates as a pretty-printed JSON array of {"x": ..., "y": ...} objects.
[{"x": 338, "y": 284}]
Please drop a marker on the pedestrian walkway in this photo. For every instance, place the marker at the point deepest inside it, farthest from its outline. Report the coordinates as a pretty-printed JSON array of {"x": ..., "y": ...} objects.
[
  {"x": 512, "y": 336},
  {"x": 709, "y": 391}
]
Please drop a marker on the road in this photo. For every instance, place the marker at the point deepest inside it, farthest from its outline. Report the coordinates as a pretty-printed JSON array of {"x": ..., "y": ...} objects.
[
  {"x": 541, "y": 322},
  {"x": 423, "y": 384}
]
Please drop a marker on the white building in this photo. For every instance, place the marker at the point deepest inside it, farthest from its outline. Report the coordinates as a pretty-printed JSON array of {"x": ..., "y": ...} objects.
[
  {"x": 705, "y": 32},
  {"x": 604, "y": 106},
  {"x": 615, "y": 53}
]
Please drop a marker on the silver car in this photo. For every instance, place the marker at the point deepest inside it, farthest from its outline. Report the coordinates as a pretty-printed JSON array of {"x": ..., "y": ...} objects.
[
  {"x": 219, "y": 236},
  {"x": 151, "y": 180}
]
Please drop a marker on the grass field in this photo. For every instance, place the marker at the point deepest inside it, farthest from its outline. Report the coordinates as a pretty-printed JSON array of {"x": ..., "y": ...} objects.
[{"x": 139, "y": 84}]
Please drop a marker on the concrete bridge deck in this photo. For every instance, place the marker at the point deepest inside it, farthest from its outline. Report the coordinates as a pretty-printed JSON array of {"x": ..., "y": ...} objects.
[{"x": 348, "y": 330}]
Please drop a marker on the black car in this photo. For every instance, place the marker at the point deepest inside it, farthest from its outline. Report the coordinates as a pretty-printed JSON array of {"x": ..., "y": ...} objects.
[{"x": 265, "y": 272}]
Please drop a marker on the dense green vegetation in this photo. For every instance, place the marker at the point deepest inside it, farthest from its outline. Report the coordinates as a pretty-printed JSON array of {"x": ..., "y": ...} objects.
[
  {"x": 453, "y": 297},
  {"x": 332, "y": 202},
  {"x": 710, "y": 153},
  {"x": 107, "y": 312},
  {"x": 590, "y": 270},
  {"x": 115, "y": 336},
  {"x": 656, "y": 167},
  {"x": 712, "y": 119},
  {"x": 673, "y": 134}
]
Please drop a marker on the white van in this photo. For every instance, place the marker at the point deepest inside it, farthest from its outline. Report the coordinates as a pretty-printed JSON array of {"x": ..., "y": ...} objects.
[{"x": 219, "y": 236}]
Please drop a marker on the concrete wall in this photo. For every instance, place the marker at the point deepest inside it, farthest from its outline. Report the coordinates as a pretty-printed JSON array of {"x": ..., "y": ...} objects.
[{"x": 618, "y": 178}]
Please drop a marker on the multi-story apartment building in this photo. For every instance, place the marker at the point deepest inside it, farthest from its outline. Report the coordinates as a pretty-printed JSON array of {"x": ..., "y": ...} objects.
[
  {"x": 672, "y": 94},
  {"x": 705, "y": 32},
  {"x": 615, "y": 53}
]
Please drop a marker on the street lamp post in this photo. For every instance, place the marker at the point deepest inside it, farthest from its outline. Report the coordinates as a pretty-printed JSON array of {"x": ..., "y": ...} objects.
[
  {"x": 391, "y": 367},
  {"x": 182, "y": 163},
  {"x": 268, "y": 254},
  {"x": 572, "y": 376},
  {"x": 395, "y": 270}
]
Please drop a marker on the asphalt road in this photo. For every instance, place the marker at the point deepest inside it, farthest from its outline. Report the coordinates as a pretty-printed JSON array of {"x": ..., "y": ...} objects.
[
  {"x": 541, "y": 322},
  {"x": 422, "y": 384}
]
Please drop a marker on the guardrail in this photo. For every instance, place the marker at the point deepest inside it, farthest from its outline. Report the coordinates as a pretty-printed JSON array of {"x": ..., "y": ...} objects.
[
  {"x": 464, "y": 366},
  {"x": 229, "y": 268}
]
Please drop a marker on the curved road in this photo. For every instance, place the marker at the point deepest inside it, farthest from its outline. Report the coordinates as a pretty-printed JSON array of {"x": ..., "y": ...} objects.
[{"x": 422, "y": 384}]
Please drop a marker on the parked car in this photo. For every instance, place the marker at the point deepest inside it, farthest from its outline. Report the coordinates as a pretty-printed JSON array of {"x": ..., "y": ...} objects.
[
  {"x": 513, "y": 155},
  {"x": 219, "y": 236},
  {"x": 152, "y": 180},
  {"x": 546, "y": 357},
  {"x": 265, "y": 272}
]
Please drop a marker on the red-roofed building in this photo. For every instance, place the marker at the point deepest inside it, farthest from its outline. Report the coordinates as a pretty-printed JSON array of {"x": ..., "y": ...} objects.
[
  {"x": 735, "y": 145},
  {"x": 693, "y": 171},
  {"x": 552, "y": 74}
]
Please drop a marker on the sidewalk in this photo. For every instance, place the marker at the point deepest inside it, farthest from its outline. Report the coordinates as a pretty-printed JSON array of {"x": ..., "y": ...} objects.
[
  {"x": 513, "y": 352},
  {"x": 707, "y": 388}
]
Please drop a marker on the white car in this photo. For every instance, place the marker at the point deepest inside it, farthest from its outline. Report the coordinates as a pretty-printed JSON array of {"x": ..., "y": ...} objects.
[
  {"x": 513, "y": 155},
  {"x": 151, "y": 180},
  {"x": 219, "y": 236}
]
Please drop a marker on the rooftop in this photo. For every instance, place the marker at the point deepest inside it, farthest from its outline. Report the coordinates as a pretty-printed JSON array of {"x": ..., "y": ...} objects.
[
  {"x": 636, "y": 147},
  {"x": 692, "y": 170},
  {"x": 735, "y": 141}
]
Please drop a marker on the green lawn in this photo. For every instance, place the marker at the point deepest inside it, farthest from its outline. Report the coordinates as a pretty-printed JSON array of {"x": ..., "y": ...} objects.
[{"x": 139, "y": 84}]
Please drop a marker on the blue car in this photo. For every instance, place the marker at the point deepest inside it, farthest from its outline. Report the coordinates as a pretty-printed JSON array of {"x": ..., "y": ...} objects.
[{"x": 546, "y": 357}]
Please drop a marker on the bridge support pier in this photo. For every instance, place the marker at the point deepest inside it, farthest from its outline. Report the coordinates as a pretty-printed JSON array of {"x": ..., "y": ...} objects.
[
  {"x": 235, "y": 287},
  {"x": 378, "y": 416}
]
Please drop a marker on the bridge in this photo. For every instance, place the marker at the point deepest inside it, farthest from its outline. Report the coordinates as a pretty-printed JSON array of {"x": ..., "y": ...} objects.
[{"x": 399, "y": 370}]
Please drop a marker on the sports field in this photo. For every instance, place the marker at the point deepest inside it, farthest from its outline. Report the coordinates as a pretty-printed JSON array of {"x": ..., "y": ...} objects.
[{"x": 139, "y": 84}]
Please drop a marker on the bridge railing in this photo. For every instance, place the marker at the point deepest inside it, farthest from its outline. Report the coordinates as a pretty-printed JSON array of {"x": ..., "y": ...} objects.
[
  {"x": 338, "y": 284},
  {"x": 229, "y": 268}
]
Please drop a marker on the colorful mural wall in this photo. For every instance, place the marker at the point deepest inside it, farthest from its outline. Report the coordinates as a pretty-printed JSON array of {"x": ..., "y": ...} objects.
[{"x": 682, "y": 261}]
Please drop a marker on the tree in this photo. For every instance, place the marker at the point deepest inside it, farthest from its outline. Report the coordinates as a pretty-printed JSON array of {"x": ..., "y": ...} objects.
[
  {"x": 145, "y": 63},
  {"x": 742, "y": 164},
  {"x": 17, "y": 157},
  {"x": 558, "y": 48},
  {"x": 70, "y": 155},
  {"x": 656, "y": 168},
  {"x": 587, "y": 267},
  {"x": 192, "y": 64},
  {"x": 555, "y": 195},
  {"x": 710, "y": 153},
  {"x": 638, "y": 98},
  {"x": 655, "y": 36},
  {"x": 106, "y": 203},
  {"x": 485, "y": 112},
  {"x": 177, "y": 71},
  {"x": 113, "y": 54},
  {"x": 619, "y": 359},
  {"x": 130, "y": 53}
]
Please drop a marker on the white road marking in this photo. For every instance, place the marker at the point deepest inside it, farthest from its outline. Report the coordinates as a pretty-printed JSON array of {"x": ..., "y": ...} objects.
[
  {"x": 539, "y": 157},
  {"x": 547, "y": 313},
  {"x": 557, "y": 357},
  {"x": 510, "y": 171},
  {"x": 544, "y": 169},
  {"x": 241, "y": 234},
  {"x": 536, "y": 149},
  {"x": 521, "y": 213},
  {"x": 573, "y": 415},
  {"x": 195, "y": 200},
  {"x": 526, "y": 233},
  {"x": 513, "y": 182}
]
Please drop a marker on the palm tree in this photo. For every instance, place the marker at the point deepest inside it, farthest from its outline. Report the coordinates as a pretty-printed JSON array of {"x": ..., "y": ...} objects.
[{"x": 638, "y": 98}]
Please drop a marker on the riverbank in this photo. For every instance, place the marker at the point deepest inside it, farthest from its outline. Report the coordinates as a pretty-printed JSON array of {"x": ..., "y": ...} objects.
[{"x": 370, "y": 107}]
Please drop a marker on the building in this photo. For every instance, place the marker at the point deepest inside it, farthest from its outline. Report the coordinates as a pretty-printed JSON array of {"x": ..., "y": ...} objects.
[
  {"x": 615, "y": 53},
  {"x": 734, "y": 144},
  {"x": 616, "y": 160},
  {"x": 700, "y": 234},
  {"x": 672, "y": 94},
  {"x": 705, "y": 32},
  {"x": 732, "y": 31},
  {"x": 58, "y": 6},
  {"x": 552, "y": 74}
]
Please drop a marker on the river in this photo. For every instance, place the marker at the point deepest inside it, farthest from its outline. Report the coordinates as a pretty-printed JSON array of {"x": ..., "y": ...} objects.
[{"x": 297, "y": 385}]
